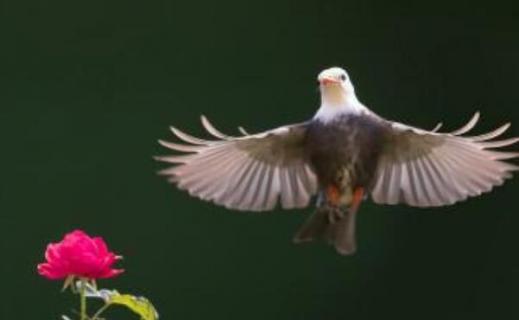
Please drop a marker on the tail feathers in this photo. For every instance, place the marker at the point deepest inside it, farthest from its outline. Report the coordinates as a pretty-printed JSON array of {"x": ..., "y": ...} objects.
[
  {"x": 314, "y": 227},
  {"x": 341, "y": 234},
  {"x": 336, "y": 226}
]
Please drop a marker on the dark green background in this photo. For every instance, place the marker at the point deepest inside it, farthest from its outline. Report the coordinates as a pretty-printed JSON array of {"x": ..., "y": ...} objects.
[{"x": 87, "y": 87}]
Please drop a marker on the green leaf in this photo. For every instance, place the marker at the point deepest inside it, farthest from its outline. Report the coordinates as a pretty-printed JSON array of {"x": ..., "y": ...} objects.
[{"x": 139, "y": 305}]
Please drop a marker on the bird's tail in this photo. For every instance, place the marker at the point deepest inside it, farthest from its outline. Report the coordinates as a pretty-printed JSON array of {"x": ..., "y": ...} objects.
[{"x": 335, "y": 225}]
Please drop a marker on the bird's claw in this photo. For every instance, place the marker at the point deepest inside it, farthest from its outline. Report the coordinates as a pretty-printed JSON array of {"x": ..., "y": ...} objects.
[{"x": 335, "y": 213}]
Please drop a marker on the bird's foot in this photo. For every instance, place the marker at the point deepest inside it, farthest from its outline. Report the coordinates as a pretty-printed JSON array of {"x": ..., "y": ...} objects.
[{"x": 335, "y": 213}]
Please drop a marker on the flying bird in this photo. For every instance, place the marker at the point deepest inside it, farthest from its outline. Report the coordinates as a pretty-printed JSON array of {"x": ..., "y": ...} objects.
[{"x": 344, "y": 154}]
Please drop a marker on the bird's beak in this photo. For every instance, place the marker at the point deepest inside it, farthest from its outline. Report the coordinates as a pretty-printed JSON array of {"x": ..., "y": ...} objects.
[{"x": 327, "y": 81}]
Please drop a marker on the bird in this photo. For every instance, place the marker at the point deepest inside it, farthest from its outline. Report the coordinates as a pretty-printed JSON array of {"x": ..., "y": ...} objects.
[{"x": 343, "y": 155}]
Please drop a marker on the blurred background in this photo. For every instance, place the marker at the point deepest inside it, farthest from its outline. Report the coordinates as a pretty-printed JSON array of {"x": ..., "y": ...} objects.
[{"x": 87, "y": 88}]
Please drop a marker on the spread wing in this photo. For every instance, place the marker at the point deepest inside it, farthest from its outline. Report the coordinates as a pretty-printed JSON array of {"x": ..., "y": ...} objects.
[
  {"x": 250, "y": 172},
  {"x": 426, "y": 168}
]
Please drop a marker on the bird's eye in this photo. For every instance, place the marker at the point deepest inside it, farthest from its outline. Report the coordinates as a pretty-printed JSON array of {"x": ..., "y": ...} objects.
[{"x": 342, "y": 77}]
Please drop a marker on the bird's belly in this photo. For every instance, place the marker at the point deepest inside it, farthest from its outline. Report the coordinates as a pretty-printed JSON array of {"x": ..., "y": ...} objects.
[
  {"x": 335, "y": 163},
  {"x": 345, "y": 153}
]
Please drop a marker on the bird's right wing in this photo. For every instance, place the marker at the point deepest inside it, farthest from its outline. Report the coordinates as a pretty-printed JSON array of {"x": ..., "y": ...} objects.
[
  {"x": 426, "y": 168},
  {"x": 250, "y": 172}
]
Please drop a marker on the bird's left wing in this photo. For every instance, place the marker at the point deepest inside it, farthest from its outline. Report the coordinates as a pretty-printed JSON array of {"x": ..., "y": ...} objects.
[
  {"x": 426, "y": 168},
  {"x": 250, "y": 172}
]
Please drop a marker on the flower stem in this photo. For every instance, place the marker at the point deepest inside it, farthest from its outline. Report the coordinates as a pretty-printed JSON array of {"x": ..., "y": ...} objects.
[
  {"x": 82, "y": 298},
  {"x": 101, "y": 310}
]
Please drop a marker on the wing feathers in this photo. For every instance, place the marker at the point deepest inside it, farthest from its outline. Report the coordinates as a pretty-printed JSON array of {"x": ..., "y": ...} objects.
[
  {"x": 492, "y": 134},
  {"x": 466, "y": 128},
  {"x": 425, "y": 169},
  {"x": 212, "y": 130},
  {"x": 250, "y": 172},
  {"x": 435, "y": 195},
  {"x": 188, "y": 138},
  {"x": 437, "y": 127},
  {"x": 498, "y": 143},
  {"x": 179, "y": 147},
  {"x": 243, "y": 131}
]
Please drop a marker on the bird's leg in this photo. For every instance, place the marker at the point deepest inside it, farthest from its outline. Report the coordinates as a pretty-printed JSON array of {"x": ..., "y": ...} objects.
[
  {"x": 323, "y": 203},
  {"x": 334, "y": 213},
  {"x": 321, "y": 198},
  {"x": 358, "y": 196}
]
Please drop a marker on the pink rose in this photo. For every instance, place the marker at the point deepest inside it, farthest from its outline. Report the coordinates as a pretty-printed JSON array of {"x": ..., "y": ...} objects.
[{"x": 79, "y": 255}]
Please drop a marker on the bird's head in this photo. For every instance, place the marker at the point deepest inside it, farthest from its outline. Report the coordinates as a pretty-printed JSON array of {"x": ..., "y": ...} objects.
[
  {"x": 335, "y": 86},
  {"x": 337, "y": 95}
]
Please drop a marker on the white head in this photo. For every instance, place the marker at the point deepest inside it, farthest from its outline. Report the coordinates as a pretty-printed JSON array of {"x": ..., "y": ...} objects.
[{"x": 337, "y": 94}]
